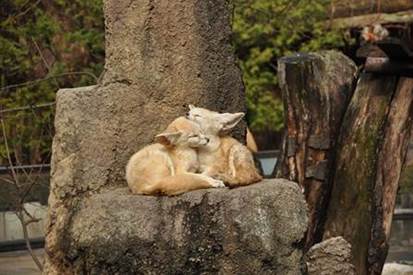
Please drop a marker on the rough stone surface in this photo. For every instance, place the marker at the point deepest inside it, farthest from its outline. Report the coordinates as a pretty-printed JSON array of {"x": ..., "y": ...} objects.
[
  {"x": 160, "y": 56},
  {"x": 170, "y": 54},
  {"x": 397, "y": 269},
  {"x": 332, "y": 256},
  {"x": 249, "y": 230}
]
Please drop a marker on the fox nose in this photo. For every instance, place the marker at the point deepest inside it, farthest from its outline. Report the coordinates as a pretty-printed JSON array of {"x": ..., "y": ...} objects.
[
  {"x": 207, "y": 140},
  {"x": 187, "y": 115}
]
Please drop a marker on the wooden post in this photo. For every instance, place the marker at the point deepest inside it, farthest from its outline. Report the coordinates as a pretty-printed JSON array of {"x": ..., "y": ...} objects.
[
  {"x": 316, "y": 90},
  {"x": 370, "y": 155},
  {"x": 350, "y": 212},
  {"x": 390, "y": 162},
  {"x": 346, "y": 151}
]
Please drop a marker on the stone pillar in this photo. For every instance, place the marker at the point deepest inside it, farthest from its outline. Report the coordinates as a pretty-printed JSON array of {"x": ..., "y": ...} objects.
[{"x": 160, "y": 56}]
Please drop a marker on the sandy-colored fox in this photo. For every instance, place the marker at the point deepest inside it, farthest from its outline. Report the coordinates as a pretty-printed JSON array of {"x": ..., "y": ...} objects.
[
  {"x": 168, "y": 167},
  {"x": 223, "y": 157}
]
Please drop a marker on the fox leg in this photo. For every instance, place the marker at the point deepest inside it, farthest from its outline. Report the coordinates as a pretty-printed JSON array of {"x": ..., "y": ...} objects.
[
  {"x": 225, "y": 177},
  {"x": 216, "y": 183},
  {"x": 181, "y": 183}
]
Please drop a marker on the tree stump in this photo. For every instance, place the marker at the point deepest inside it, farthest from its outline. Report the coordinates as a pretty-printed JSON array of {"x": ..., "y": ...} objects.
[
  {"x": 316, "y": 89},
  {"x": 348, "y": 167},
  {"x": 370, "y": 155}
]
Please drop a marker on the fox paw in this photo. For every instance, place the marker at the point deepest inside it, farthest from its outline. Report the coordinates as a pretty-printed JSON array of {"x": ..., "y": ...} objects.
[{"x": 217, "y": 184}]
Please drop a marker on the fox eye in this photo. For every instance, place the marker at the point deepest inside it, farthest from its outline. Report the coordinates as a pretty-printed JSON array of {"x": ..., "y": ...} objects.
[{"x": 192, "y": 136}]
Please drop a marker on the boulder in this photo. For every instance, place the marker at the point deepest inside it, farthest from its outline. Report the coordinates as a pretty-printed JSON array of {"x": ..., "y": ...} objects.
[
  {"x": 397, "y": 269},
  {"x": 248, "y": 230},
  {"x": 332, "y": 256}
]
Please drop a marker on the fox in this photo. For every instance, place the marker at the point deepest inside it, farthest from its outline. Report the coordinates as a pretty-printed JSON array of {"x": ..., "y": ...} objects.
[
  {"x": 224, "y": 157},
  {"x": 169, "y": 166}
]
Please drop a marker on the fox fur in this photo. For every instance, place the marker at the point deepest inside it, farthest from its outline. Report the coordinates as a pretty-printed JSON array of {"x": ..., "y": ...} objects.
[
  {"x": 169, "y": 166},
  {"x": 250, "y": 140},
  {"x": 223, "y": 157}
]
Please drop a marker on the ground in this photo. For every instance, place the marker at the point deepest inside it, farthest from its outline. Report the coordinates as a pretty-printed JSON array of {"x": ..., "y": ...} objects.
[{"x": 24, "y": 266}]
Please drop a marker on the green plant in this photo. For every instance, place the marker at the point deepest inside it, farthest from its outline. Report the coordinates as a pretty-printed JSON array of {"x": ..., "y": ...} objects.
[
  {"x": 265, "y": 30},
  {"x": 44, "y": 40}
]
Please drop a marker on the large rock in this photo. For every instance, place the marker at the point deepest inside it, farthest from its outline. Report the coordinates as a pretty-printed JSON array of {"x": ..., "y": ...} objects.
[
  {"x": 330, "y": 257},
  {"x": 160, "y": 56},
  {"x": 397, "y": 269},
  {"x": 248, "y": 230}
]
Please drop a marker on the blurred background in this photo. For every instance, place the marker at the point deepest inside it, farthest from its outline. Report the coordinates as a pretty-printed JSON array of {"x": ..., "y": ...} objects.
[{"x": 46, "y": 45}]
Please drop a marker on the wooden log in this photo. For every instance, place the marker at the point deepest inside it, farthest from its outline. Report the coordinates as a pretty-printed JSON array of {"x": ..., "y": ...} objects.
[
  {"x": 392, "y": 48},
  {"x": 369, "y": 19},
  {"x": 349, "y": 213},
  {"x": 370, "y": 50},
  {"x": 396, "y": 48},
  {"x": 316, "y": 89},
  {"x": 388, "y": 66},
  {"x": 348, "y": 8},
  {"x": 370, "y": 152},
  {"x": 390, "y": 162}
]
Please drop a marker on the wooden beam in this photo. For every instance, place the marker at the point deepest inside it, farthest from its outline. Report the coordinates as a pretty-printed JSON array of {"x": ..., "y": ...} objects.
[
  {"x": 369, "y": 19},
  {"x": 392, "y": 48},
  {"x": 396, "y": 48},
  {"x": 349, "y": 8},
  {"x": 388, "y": 66}
]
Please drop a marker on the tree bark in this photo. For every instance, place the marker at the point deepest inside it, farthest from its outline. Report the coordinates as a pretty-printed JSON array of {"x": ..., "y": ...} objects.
[
  {"x": 316, "y": 89},
  {"x": 370, "y": 153},
  {"x": 390, "y": 162},
  {"x": 350, "y": 212},
  {"x": 346, "y": 151}
]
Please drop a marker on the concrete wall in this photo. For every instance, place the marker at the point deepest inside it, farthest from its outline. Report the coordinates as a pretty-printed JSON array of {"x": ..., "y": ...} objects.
[{"x": 10, "y": 226}]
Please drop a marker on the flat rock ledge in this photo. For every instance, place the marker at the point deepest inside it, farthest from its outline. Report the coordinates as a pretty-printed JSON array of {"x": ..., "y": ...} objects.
[{"x": 248, "y": 230}]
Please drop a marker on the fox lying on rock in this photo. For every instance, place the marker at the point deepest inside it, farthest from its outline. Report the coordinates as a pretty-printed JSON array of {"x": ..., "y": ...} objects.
[
  {"x": 223, "y": 157},
  {"x": 193, "y": 153},
  {"x": 168, "y": 167}
]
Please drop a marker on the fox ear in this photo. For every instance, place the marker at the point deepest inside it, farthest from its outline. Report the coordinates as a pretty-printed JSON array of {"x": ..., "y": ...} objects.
[
  {"x": 168, "y": 139},
  {"x": 190, "y": 106},
  {"x": 229, "y": 121}
]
